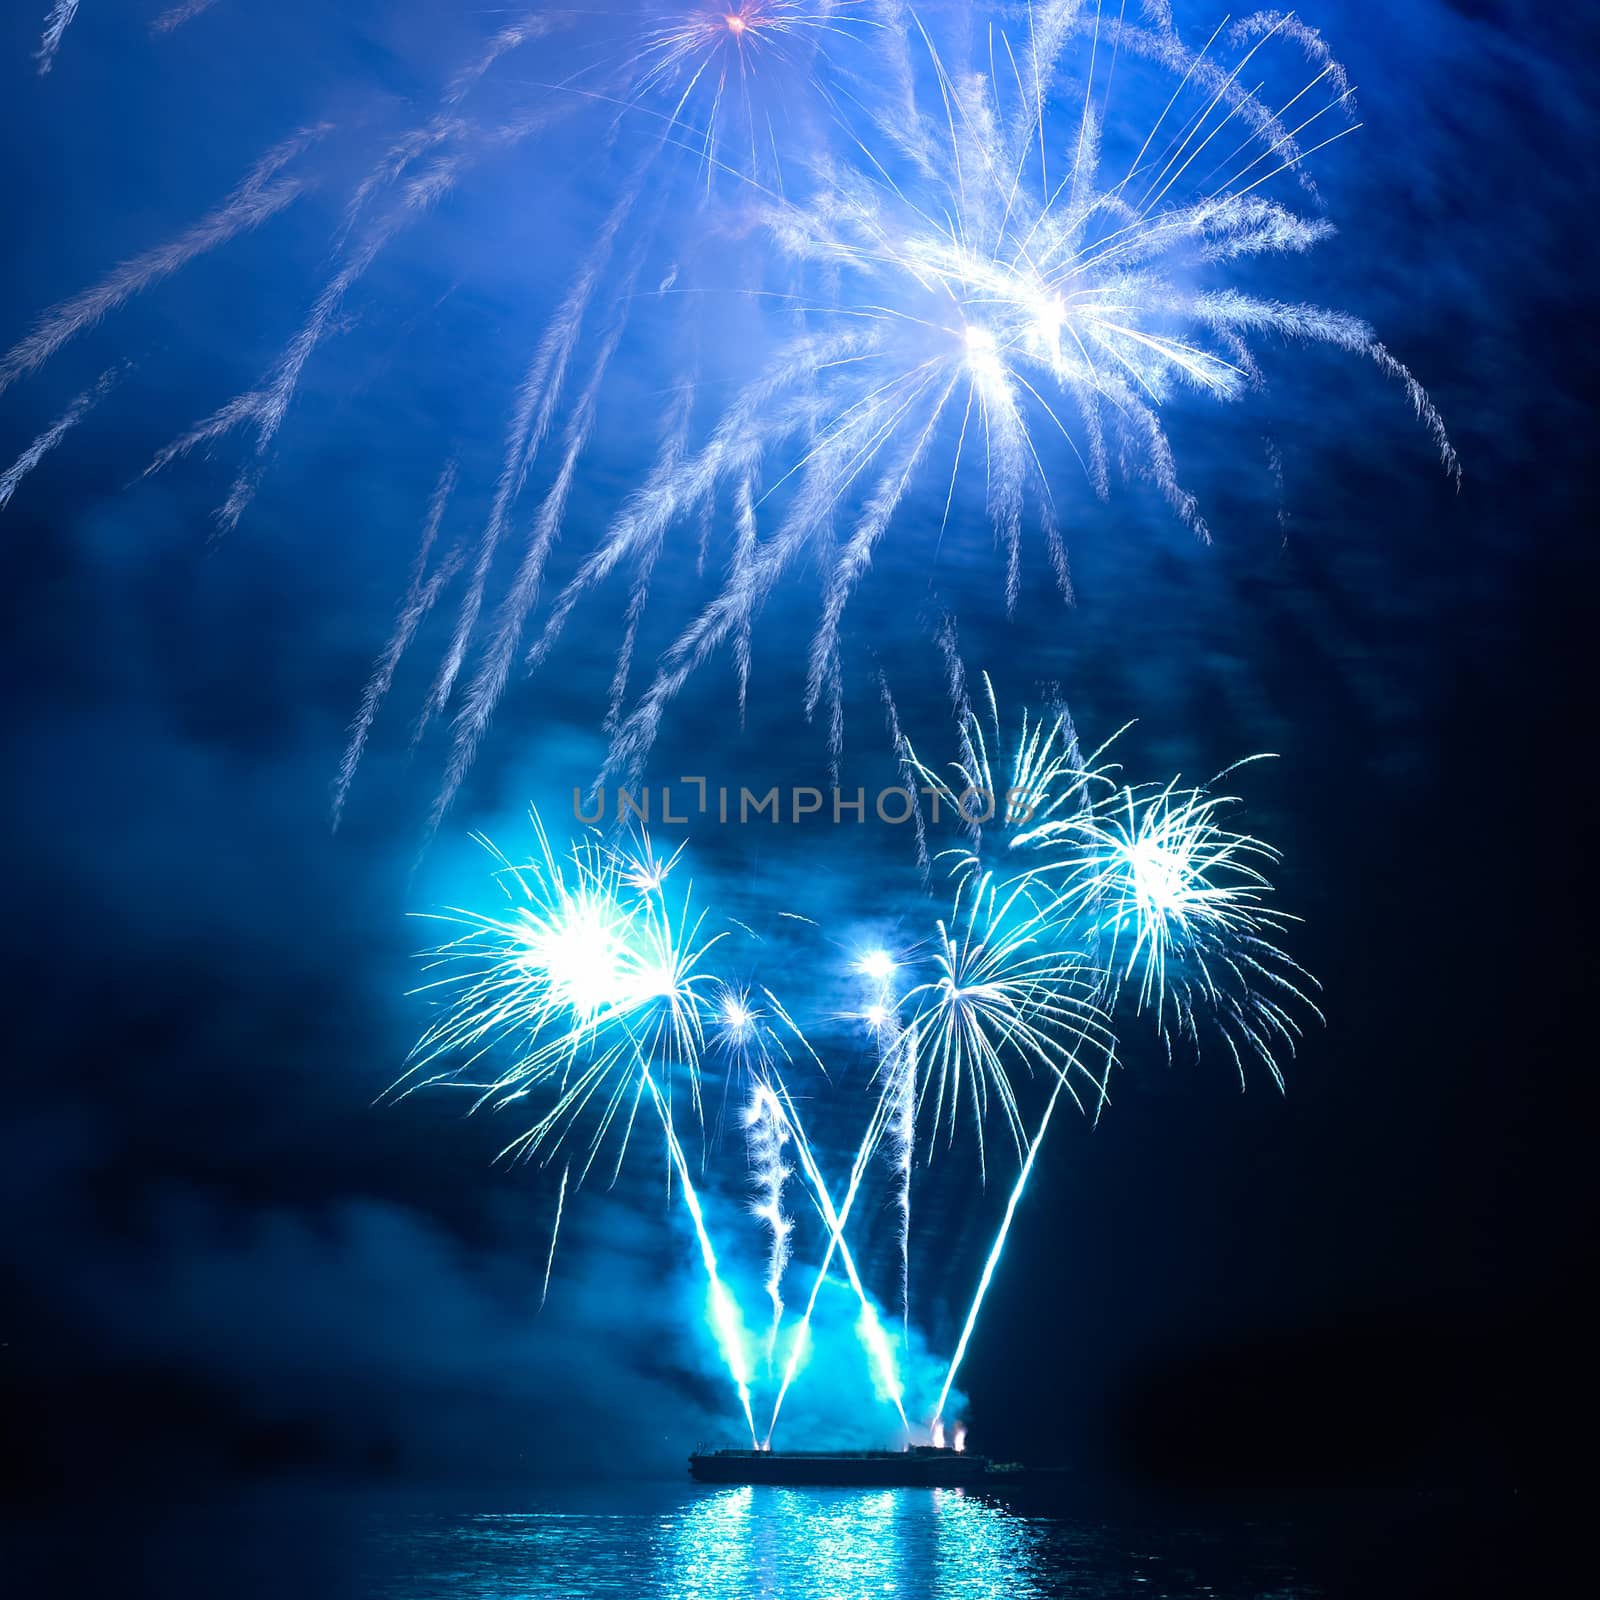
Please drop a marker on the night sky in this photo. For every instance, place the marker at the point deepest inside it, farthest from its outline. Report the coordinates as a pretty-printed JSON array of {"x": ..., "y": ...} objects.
[{"x": 223, "y": 1261}]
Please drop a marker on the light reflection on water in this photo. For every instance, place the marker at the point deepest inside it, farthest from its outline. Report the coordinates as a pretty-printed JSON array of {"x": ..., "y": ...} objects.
[
  {"x": 802, "y": 1543},
  {"x": 798, "y": 1544}
]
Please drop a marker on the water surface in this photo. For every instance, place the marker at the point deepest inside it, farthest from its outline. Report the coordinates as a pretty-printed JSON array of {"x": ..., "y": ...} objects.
[{"x": 814, "y": 1544}]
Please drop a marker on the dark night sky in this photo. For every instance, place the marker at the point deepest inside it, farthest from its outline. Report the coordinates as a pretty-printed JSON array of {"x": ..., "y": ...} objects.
[{"x": 220, "y": 1257}]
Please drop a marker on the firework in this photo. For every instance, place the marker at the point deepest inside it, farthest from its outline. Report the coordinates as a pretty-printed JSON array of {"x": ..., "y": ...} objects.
[
  {"x": 584, "y": 978},
  {"x": 767, "y": 1134},
  {"x": 877, "y": 967},
  {"x": 1169, "y": 906},
  {"x": 1177, "y": 904},
  {"x": 742, "y": 1035},
  {"x": 594, "y": 982},
  {"x": 699, "y": 60},
  {"x": 986, "y": 310},
  {"x": 1008, "y": 994},
  {"x": 418, "y": 170},
  {"x": 594, "y": 985},
  {"x": 978, "y": 279}
]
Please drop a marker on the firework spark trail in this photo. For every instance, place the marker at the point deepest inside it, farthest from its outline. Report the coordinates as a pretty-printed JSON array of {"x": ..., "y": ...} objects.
[
  {"x": 55, "y": 28},
  {"x": 675, "y": 443},
  {"x": 537, "y": 400},
  {"x": 857, "y": 554},
  {"x": 869, "y": 1327},
  {"x": 902, "y": 751},
  {"x": 555, "y": 1233},
  {"x": 260, "y": 196},
  {"x": 404, "y": 155},
  {"x": 955, "y": 674},
  {"x": 897, "y": 1109},
  {"x": 997, "y": 1249},
  {"x": 1162, "y": 45},
  {"x": 636, "y": 733},
  {"x": 483, "y": 694},
  {"x": 725, "y": 1319},
  {"x": 267, "y": 407},
  {"x": 904, "y": 126},
  {"x": 530, "y": 423},
  {"x": 746, "y": 532},
  {"x": 180, "y": 14},
  {"x": 1227, "y": 311},
  {"x": 903, "y": 1133},
  {"x": 749, "y": 586},
  {"x": 446, "y": 125},
  {"x": 523, "y": 31},
  {"x": 638, "y": 599},
  {"x": 756, "y": 572},
  {"x": 422, "y": 594},
  {"x": 675, "y": 487},
  {"x": 797, "y": 1344},
  {"x": 52, "y": 436},
  {"x": 767, "y": 1133}
]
